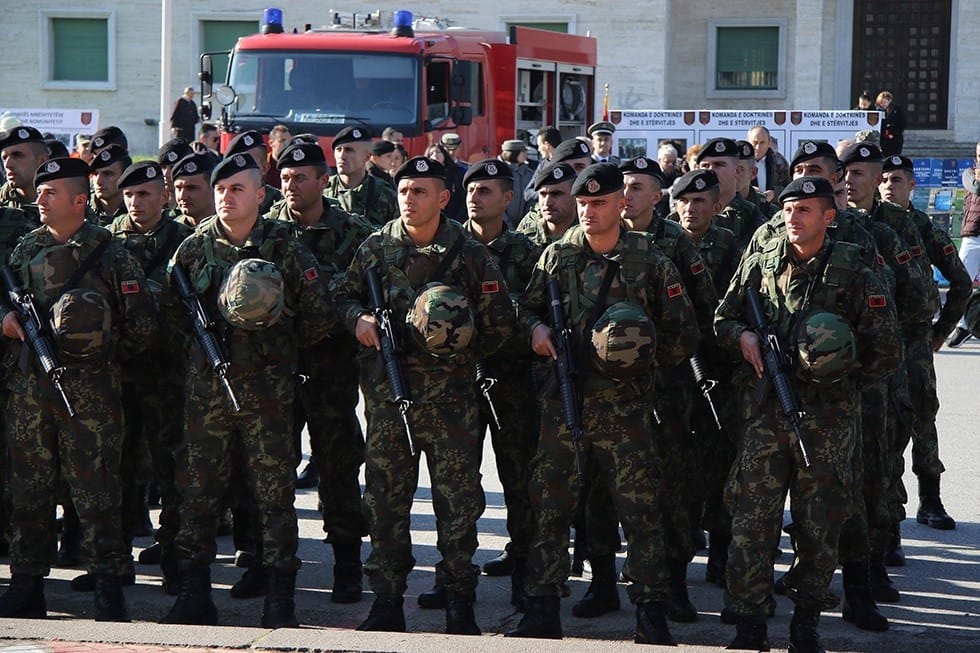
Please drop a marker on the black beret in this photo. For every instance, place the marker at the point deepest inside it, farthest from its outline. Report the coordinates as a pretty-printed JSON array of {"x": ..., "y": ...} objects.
[
  {"x": 745, "y": 150},
  {"x": 18, "y": 135},
  {"x": 141, "y": 173},
  {"x": 488, "y": 169},
  {"x": 304, "y": 138},
  {"x": 718, "y": 147},
  {"x": 198, "y": 163},
  {"x": 861, "y": 153},
  {"x": 351, "y": 134},
  {"x": 573, "y": 148},
  {"x": 898, "y": 163},
  {"x": 420, "y": 167},
  {"x": 382, "y": 147},
  {"x": 641, "y": 165},
  {"x": 173, "y": 151},
  {"x": 696, "y": 181},
  {"x": 107, "y": 136},
  {"x": 602, "y": 127},
  {"x": 56, "y": 148},
  {"x": 232, "y": 165},
  {"x": 111, "y": 154},
  {"x": 597, "y": 180},
  {"x": 301, "y": 154},
  {"x": 553, "y": 173},
  {"x": 813, "y": 150},
  {"x": 247, "y": 140},
  {"x": 803, "y": 188},
  {"x": 60, "y": 168}
]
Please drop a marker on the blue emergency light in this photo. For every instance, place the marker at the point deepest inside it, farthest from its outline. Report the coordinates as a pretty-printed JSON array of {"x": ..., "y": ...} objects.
[
  {"x": 272, "y": 21},
  {"x": 403, "y": 23}
]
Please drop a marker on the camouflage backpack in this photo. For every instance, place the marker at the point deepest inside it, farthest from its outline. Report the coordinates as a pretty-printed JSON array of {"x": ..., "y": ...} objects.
[
  {"x": 623, "y": 342},
  {"x": 441, "y": 320},
  {"x": 825, "y": 348},
  {"x": 251, "y": 295},
  {"x": 82, "y": 324}
]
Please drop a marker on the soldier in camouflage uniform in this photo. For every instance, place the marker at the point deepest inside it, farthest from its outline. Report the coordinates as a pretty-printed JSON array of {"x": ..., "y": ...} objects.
[
  {"x": 22, "y": 150},
  {"x": 574, "y": 153},
  {"x": 809, "y": 286},
  {"x": 153, "y": 387},
  {"x": 107, "y": 201},
  {"x": 192, "y": 188},
  {"x": 167, "y": 156},
  {"x": 738, "y": 215},
  {"x": 263, "y": 290},
  {"x": 102, "y": 314},
  {"x": 554, "y": 213},
  {"x": 898, "y": 180},
  {"x": 450, "y": 305},
  {"x": 747, "y": 167},
  {"x": 352, "y": 186},
  {"x": 620, "y": 294},
  {"x": 251, "y": 143},
  {"x": 327, "y": 401}
]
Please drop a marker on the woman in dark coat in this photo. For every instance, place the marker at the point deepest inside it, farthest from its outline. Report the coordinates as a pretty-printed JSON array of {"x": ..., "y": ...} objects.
[{"x": 893, "y": 127}]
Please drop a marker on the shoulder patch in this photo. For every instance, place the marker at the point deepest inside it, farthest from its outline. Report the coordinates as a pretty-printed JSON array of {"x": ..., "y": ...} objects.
[
  {"x": 949, "y": 249},
  {"x": 880, "y": 260},
  {"x": 697, "y": 268},
  {"x": 916, "y": 250},
  {"x": 129, "y": 287},
  {"x": 877, "y": 301},
  {"x": 311, "y": 274},
  {"x": 903, "y": 257},
  {"x": 675, "y": 290},
  {"x": 490, "y": 287}
]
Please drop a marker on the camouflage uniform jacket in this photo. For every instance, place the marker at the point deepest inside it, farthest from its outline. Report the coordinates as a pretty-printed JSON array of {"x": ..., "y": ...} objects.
[
  {"x": 646, "y": 278},
  {"x": 836, "y": 280},
  {"x": 404, "y": 269},
  {"x": 742, "y": 218},
  {"x": 766, "y": 208},
  {"x": 207, "y": 254},
  {"x": 45, "y": 266},
  {"x": 372, "y": 199},
  {"x": 721, "y": 254},
  {"x": 101, "y": 215},
  {"x": 14, "y": 199},
  {"x": 533, "y": 226},
  {"x": 515, "y": 255},
  {"x": 14, "y": 224},
  {"x": 901, "y": 222},
  {"x": 272, "y": 195},
  {"x": 942, "y": 253}
]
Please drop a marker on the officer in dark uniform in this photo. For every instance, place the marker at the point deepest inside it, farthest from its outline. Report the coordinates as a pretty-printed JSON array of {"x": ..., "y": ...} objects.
[{"x": 601, "y": 134}]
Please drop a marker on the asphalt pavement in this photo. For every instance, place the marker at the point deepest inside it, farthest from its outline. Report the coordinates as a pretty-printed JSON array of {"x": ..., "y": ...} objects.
[{"x": 938, "y": 611}]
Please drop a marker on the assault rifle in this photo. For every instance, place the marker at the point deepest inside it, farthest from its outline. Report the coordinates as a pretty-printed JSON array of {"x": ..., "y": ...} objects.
[
  {"x": 566, "y": 373},
  {"x": 204, "y": 329}
]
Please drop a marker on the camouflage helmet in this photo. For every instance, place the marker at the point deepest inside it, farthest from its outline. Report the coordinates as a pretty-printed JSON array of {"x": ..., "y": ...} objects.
[
  {"x": 82, "y": 324},
  {"x": 623, "y": 342},
  {"x": 441, "y": 320},
  {"x": 251, "y": 295},
  {"x": 825, "y": 348}
]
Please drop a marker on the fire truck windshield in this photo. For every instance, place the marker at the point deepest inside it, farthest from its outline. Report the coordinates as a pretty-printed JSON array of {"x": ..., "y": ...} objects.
[{"x": 325, "y": 91}]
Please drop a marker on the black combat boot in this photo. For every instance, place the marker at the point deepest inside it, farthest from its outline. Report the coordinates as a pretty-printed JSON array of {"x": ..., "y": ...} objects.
[
  {"x": 193, "y": 606},
  {"x": 602, "y": 595},
  {"x": 110, "y": 604},
  {"x": 347, "y": 572},
  {"x": 679, "y": 607},
  {"x": 750, "y": 635},
  {"x": 931, "y": 510},
  {"x": 803, "y": 635},
  {"x": 541, "y": 619},
  {"x": 252, "y": 584},
  {"x": 24, "y": 599},
  {"x": 387, "y": 615},
  {"x": 169, "y": 569},
  {"x": 150, "y": 555},
  {"x": 579, "y": 552},
  {"x": 651, "y": 625},
  {"x": 460, "y": 619},
  {"x": 859, "y": 606},
  {"x": 518, "y": 598},
  {"x": 714, "y": 571},
  {"x": 894, "y": 555},
  {"x": 309, "y": 478},
  {"x": 882, "y": 588},
  {"x": 279, "y": 610},
  {"x": 502, "y": 565},
  {"x": 70, "y": 549}
]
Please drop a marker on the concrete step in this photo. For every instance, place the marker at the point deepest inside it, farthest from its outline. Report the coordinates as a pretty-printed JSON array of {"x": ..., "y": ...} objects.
[{"x": 938, "y": 144}]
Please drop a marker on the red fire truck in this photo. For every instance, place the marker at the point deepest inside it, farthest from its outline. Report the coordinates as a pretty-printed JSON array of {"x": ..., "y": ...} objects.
[{"x": 420, "y": 77}]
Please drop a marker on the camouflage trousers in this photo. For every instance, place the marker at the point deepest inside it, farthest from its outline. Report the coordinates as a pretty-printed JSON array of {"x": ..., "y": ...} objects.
[
  {"x": 674, "y": 447},
  {"x": 617, "y": 445},
  {"x": 327, "y": 404},
  {"x": 767, "y": 467},
  {"x": 715, "y": 452},
  {"x": 514, "y": 446},
  {"x": 212, "y": 431},
  {"x": 46, "y": 445},
  {"x": 448, "y": 434}
]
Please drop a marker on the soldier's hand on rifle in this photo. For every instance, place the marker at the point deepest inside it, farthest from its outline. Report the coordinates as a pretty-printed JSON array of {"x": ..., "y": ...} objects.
[
  {"x": 12, "y": 328},
  {"x": 366, "y": 331},
  {"x": 749, "y": 344},
  {"x": 541, "y": 342}
]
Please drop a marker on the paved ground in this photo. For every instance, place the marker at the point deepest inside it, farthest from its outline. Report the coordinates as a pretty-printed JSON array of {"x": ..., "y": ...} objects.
[{"x": 939, "y": 609}]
